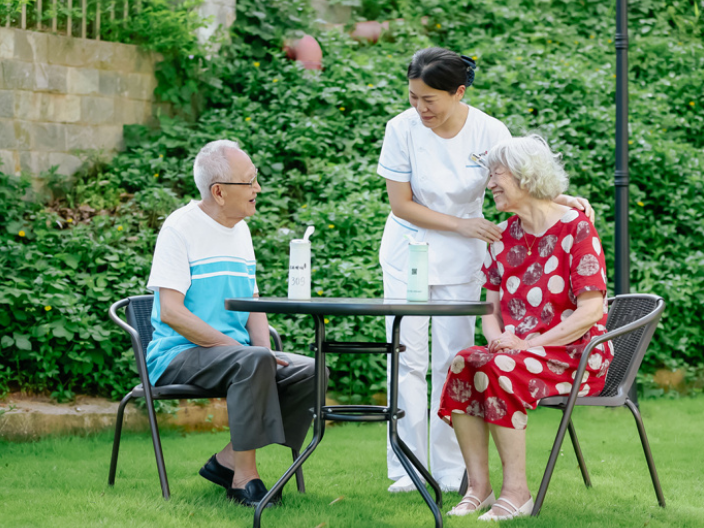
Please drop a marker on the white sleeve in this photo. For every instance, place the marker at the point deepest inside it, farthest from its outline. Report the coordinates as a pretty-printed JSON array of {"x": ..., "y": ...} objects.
[
  {"x": 394, "y": 162},
  {"x": 170, "y": 267}
]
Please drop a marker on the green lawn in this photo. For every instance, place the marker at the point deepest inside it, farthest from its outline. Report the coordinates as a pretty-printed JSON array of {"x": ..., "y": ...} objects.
[{"x": 63, "y": 482}]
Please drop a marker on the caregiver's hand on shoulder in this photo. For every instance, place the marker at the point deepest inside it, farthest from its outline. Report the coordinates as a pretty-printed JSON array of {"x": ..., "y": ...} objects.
[
  {"x": 577, "y": 202},
  {"x": 478, "y": 228}
]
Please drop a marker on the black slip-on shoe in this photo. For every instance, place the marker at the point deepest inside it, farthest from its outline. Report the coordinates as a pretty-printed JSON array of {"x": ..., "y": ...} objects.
[
  {"x": 252, "y": 493},
  {"x": 216, "y": 473},
  {"x": 240, "y": 496}
]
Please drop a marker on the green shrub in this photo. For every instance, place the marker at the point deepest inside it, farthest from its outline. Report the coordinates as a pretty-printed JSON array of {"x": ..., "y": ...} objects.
[{"x": 544, "y": 66}]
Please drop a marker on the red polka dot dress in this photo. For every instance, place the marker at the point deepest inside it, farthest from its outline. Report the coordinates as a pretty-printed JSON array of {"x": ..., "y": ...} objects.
[{"x": 538, "y": 280}]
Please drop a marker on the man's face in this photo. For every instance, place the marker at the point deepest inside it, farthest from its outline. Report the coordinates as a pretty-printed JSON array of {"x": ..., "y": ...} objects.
[{"x": 239, "y": 201}]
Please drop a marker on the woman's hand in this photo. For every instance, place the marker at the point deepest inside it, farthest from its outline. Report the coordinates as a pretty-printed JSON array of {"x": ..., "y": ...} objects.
[
  {"x": 507, "y": 341},
  {"x": 478, "y": 228},
  {"x": 577, "y": 202}
]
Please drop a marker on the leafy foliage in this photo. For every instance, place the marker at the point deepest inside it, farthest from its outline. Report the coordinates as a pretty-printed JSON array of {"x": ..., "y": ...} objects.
[{"x": 544, "y": 65}]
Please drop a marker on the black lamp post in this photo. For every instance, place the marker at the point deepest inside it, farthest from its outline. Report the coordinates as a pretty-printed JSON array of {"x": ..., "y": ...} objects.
[{"x": 622, "y": 271}]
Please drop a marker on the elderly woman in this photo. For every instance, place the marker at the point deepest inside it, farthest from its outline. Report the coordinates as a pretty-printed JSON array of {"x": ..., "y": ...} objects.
[{"x": 546, "y": 279}]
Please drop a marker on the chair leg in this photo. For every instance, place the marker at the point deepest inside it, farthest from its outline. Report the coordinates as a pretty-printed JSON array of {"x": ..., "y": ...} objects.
[
  {"x": 464, "y": 485},
  {"x": 300, "y": 483},
  {"x": 646, "y": 450},
  {"x": 580, "y": 458},
  {"x": 119, "y": 419},
  {"x": 158, "y": 453},
  {"x": 559, "y": 438}
]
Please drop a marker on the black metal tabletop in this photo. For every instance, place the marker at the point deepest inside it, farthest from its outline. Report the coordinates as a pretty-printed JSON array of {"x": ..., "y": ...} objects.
[{"x": 354, "y": 306}]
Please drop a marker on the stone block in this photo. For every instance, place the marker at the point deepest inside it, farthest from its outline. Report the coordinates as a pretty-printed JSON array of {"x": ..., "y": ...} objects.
[
  {"x": 83, "y": 81},
  {"x": 7, "y": 43},
  {"x": 84, "y": 137},
  {"x": 17, "y": 75},
  {"x": 118, "y": 57},
  {"x": 59, "y": 108},
  {"x": 146, "y": 61},
  {"x": 23, "y": 134},
  {"x": 67, "y": 163},
  {"x": 31, "y": 46},
  {"x": 51, "y": 78},
  {"x": 68, "y": 51},
  {"x": 141, "y": 86},
  {"x": 7, "y": 103},
  {"x": 27, "y": 105},
  {"x": 10, "y": 160},
  {"x": 48, "y": 137},
  {"x": 8, "y": 138},
  {"x": 97, "y": 110},
  {"x": 112, "y": 83},
  {"x": 132, "y": 112}
]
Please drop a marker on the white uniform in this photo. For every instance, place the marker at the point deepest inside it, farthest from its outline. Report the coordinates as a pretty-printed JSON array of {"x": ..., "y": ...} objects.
[{"x": 444, "y": 179}]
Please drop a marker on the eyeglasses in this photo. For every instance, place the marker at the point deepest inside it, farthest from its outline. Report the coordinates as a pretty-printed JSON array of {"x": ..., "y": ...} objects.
[{"x": 250, "y": 182}]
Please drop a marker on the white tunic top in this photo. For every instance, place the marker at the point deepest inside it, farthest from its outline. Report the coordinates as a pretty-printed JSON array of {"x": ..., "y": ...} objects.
[{"x": 444, "y": 179}]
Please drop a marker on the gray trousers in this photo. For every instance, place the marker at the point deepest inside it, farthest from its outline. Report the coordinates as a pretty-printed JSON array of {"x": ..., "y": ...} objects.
[{"x": 266, "y": 403}]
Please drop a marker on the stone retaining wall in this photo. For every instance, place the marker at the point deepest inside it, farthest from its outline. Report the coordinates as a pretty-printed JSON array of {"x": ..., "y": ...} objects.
[{"x": 62, "y": 95}]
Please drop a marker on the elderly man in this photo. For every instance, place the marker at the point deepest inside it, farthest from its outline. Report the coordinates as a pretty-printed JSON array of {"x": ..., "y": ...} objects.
[{"x": 203, "y": 255}]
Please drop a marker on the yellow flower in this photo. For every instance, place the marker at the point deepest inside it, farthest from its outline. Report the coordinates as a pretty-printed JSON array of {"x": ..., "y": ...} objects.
[
  {"x": 474, "y": 57},
  {"x": 161, "y": 155},
  {"x": 70, "y": 220},
  {"x": 691, "y": 103},
  {"x": 630, "y": 142},
  {"x": 119, "y": 228},
  {"x": 314, "y": 270},
  {"x": 591, "y": 36},
  {"x": 519, "y": 58},
  {"x": 256, "y": 65},
  {"x": 47, "y": 308},
  {"x": 326, "y": 320},
  {"x": 370, "y": 85},
  {"x": 342, "y": 109},
  {"x": 304, "y": 206},
  {"x": 609, "y": 41},
  {"x": 156, "y": 175},
  {"x": 664, "y": 130},
  {"x": 530, "y": 110},
  {"x": 21, "y": 233},
  {"x": 247, "y": 118},
  {"x": 438, "y": 26},
  {"x": 641, "y": 204},
  {"x": 389, "y": 56},
  {"x": 331, "y": 226},
  {"x": 576, "y": 42},
  {"x": 274, "y": 80},
  {"x": 614, "y": 76},
  {"x": 549, "y": 41},
  {"x": 319, "y": 292}
]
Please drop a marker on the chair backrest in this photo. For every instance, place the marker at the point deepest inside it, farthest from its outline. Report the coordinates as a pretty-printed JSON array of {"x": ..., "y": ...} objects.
[
  {"x": 630, "y": 348},
  {"x": 138, "y": 311}
]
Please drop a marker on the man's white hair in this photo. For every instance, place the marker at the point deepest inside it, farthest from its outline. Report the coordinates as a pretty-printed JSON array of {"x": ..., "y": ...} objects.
[
  {"x": 212, "y": 165},
  {"x": 534, "y": 166}
]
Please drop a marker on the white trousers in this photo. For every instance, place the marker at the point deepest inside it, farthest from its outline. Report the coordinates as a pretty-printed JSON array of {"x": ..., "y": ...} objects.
[{"x": 449, "y": 336}]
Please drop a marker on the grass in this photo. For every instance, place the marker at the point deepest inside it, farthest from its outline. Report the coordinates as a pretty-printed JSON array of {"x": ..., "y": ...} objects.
[{"x": 61, "y": 482}]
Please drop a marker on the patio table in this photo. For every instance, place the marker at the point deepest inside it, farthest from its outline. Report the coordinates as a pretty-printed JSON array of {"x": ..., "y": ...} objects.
[{"x": 319, "y": 309}]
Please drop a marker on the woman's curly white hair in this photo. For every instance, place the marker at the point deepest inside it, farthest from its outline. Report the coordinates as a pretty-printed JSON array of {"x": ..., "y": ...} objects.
[{"x": 534, "y": 166}]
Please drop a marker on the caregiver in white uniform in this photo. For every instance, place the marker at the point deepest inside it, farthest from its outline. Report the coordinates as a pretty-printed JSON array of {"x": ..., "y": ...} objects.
[{"x": 436, "y": 194}]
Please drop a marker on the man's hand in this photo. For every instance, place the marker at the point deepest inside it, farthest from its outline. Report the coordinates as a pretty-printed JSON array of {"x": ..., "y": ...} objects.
[{"x": 279, "y": 361}]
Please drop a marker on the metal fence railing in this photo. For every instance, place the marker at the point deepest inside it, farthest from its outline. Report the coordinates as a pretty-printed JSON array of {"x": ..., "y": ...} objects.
[{"x": 73, "y": 18}]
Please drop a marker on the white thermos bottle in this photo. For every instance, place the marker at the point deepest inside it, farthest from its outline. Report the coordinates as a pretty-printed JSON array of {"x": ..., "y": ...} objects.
[
  {"x": 417, "y": 286},
  {"x": 299, "y": 267}
]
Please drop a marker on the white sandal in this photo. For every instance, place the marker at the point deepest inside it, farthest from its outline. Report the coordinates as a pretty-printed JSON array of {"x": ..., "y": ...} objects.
[
  {"x": 512, "y": 513},
  {"x": 472, "y": 500}
]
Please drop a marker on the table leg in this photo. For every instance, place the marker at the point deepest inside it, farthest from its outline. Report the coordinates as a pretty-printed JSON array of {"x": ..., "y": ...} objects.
[
  {"x": 405, "y": 455},
  {"x": 318, "y": 422}
]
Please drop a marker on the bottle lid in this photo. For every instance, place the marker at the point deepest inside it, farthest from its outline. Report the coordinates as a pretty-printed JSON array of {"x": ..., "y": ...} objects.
[{"x": 300, "y": 241}]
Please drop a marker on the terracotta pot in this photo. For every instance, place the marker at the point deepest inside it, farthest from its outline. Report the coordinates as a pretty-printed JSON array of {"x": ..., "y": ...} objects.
[
  {"x": 290, "y": 48},
  {"x": 369, "y": 30},
  {"x": 309, "y": 54}
]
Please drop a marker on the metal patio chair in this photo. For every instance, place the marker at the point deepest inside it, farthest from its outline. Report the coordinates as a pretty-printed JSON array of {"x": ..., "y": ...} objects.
[
  {"x": 630, "y": 326},
  {"x": 138, "y": 310}
]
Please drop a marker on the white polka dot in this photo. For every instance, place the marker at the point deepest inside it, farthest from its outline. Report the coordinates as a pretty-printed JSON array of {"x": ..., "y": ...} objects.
[
  {"x": 567, "y": 243},
  {"x": 505, "y": 363},
  {"x": 519, "y": 420},
  {"x": 538, "y": 351},
  {"x": 533, "y": 365},
  {"x": 564, "y": 387},
  {"x": 532, "y": 335},
  {"x": 535, "y": 296},
  {"x": 551, "y": 265},
  {"x": 457, "y": 365},
  {"x": 595, "y": 361},
  {"x": 585, "y": 376},
  {"x": 481, "y": 276},
  {"x": 512, "y": 284},
  {"x": 588, "y": 266},
  {"x": 501, "y": 268},
  {"x": 481, "y": 381},
  {"x": 510, "y": 328},
  {"x": 603, "y": 274},
  {"x": 584, "y": 391},
  {"x": 497, "y": 247},
  {"x": 503, "y": 225},
  {"x": 505, "y": 384},
  {"x": 569, "y": 216},
  {"x": 556, "y": 284},
  {"x": 596, "y": 245},
  {"x": 501, "y": 293},
  {"x": 487, "y": 260},
  {"x": 566, "y": 314}
]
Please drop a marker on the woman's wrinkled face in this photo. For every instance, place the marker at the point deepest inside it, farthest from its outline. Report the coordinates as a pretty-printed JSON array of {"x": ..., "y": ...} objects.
[
  {"x": 433, "y": 106},
  {"x": 504, "y": 187}
]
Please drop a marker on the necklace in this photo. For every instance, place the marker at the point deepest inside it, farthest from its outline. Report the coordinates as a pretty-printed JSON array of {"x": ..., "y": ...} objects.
[{"x": 530, "y": 247}]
